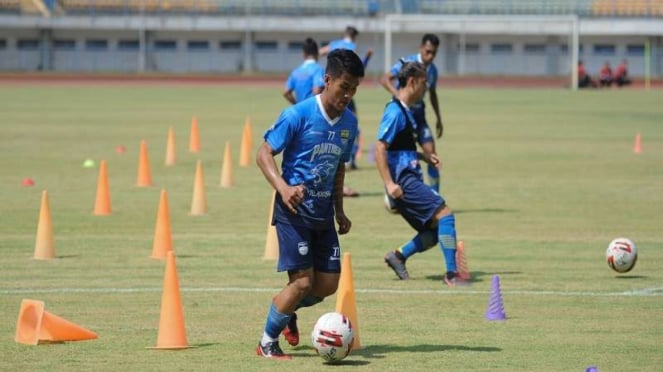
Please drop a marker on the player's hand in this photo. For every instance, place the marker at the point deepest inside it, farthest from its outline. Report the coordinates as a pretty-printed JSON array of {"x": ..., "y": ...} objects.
[
  {"x": 394, "y": 190},
  {"x": 369, "y": 52},
  {"x": 434, "y": 160},
  {"x": 344, "y": 223},
  {"x": 439, "y": 128},
  {"x": 293, "y": 196}
]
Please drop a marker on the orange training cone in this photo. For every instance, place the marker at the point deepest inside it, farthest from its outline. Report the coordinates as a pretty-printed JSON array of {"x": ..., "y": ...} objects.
[
  {"x": 163, "y": 241},
  {"x": 44, "y": 246},
  {"x": 637, "y": 146},
  {"x": 199, "y": 201},
  {"x": 272, "y": 241},
  {"x": 102, "y": 205},
  {"x": 36, "y": 325},
  {"x": 345, "y": 297},
  {"x": 461, "y": 261},
  {"x": 172, "y": 333},
  {"x": 170, "y": 148},
  {"x": 246, "y": 146},
  {"x": 144, "y": 176},
  {"x": 227, "y": 168},
  {"x": 194, "y": 136}
]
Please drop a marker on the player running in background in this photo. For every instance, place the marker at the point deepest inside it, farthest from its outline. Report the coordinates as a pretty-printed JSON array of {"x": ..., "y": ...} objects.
[
  {"x": 427, "y": 51},
  {"x": 349, "y": 41},
  {"x": 397, "y": 161},
  {"x": 307, "y": 79},
  {"x": 316, "y": 137}
]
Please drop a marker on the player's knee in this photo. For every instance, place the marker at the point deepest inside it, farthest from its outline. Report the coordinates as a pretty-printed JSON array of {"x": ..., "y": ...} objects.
[{"x": 302, "y": 284}]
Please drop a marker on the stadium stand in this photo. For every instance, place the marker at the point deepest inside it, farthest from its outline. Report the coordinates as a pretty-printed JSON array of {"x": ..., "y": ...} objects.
[{"x": 627, "y": 8}]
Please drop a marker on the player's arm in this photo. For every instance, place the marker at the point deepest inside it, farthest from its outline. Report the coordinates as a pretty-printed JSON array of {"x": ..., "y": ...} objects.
[
  {"x": 291, "y": 195},
  {"x": 343, "y": 221},
  {"x": 430, "y": 158},
  {"x": 387, "y": 81},
  {"x": 435, "y": 103},
  {"x": 367, "y": 57},
  {"x": 287, "y": 94},
  {"x": 323, "y": 51},
  {"x": 393, "y": 189}
]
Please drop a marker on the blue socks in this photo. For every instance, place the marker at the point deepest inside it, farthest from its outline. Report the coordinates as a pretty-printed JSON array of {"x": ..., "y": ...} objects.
[
  {"x": 446, "y": 230},
  {"x": 276, "y": 322},
  {"x": 434, "y": 178},
  {"x": 420, "y": 243}
]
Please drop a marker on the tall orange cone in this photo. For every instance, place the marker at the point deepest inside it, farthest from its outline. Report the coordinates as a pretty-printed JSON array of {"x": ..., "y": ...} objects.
[
  {"x": 36, "y": 325},
  {"x": 102, "y": 205},
  {"x": 170, "y": 148},
  {"x": 227, "y": 168},
  {"x": 461, "y": 261},
  {"x": 246, "y": 147},
  {"x": 44, "y": 246},
  {"x": 199, "y": 201},
  {"x": 194, "y": 136},
  {"x": 172, "y": 333},
  {"x": 144, "y": 175},
  {"x": 271, "y": 241},
  {"x": 345, "y": 297},
  {"x": 163, "y": 241},
  {"x": 637, "y": 146}
]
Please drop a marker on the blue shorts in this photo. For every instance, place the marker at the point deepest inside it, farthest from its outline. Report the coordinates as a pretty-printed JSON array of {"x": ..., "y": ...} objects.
[
  {"x": 419, "y": 202},
  {"x": 301, "y": 248}
]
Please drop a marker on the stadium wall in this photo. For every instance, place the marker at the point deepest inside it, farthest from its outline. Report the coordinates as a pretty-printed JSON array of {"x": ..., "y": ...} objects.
[{"x": 188, "y": 44}]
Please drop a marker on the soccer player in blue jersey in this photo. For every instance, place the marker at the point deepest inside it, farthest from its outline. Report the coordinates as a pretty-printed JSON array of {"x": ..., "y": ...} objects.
[
  {"x": 426, "y": 55},
  {"x": 349, "y": 41},
  {"x": 315, "y": 138},
  {"x": 397, "y": 161},
  {"x": 308, "y": 78}
]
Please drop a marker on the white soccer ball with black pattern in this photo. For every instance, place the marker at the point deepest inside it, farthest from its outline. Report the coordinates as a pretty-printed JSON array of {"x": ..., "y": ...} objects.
[
  {"x": 621, "y": 255},
  {"x": 333, "y": 336},
  {"x": 389, "y": 204}
]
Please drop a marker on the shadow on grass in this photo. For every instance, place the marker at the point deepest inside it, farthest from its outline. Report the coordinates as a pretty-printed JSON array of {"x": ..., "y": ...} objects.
[
  {"x": 625, "y": 277},
  {"x": 485, "y": 210},
  {"x": 477, "y": 276},
  {"x": 376, "y": 351}
]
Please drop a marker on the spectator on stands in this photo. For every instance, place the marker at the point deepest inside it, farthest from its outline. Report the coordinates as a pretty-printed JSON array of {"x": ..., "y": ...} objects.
[
  {"x": 584, "y": 80},
  {"x": 621, "y": 74},
  {"x": 605, "y": 75}
]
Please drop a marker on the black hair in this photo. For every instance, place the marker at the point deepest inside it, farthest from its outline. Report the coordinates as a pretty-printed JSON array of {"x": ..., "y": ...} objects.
[
  {"x": 430, "y": 38},
  {"x": 408, "y": 70},
  {"x": 341, "y": 61},
  {"x": 352, "y": 32},
  {"x": 310, "y": 47}
]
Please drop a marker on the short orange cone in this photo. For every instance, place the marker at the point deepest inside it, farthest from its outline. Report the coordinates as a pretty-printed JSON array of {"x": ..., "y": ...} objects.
[
  {"x": 194, "y": 136},
  {"x": 144, "y": 175},
  {"x": 163, "y": 241},
  {"x": 44, "y": 246},
  {"x": 345, "y": 297},
  {"x": 170, "y": 148},
  {"x": 461, "y": 261},
  {"x": 227, "y": 168},
  {"x": 102, "y": 205},
  {"x": 246, "y": 147},
  {"x": 199, "y": 201},
  {"x": 272, "y": 241},
  {"x": 172, "y": 333},
  {"x": 36, "y": 325},
  {"x": 637, "y": 146}
]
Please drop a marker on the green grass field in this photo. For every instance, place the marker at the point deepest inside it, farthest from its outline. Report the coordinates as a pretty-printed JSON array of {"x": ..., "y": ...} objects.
[{"x": 541, "y": 181}]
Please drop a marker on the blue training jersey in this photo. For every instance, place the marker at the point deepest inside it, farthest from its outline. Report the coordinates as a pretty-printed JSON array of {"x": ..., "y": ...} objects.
[
  {"x": 343, "y": 44},
  {"x": 305, "y": 78},
  {"x": 399, "y": 130},
  {"x": 313, "y": 146},
  {"x": 431, "y": 74}
]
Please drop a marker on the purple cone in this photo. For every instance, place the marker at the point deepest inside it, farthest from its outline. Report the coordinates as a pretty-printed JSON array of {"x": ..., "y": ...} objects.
[{"x": 495, "y": 309}]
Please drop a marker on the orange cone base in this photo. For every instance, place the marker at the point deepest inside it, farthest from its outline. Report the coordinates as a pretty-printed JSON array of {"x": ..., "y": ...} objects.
[
  {"x": 37, "y": 326},
  {"x": 170, "y": 347}
]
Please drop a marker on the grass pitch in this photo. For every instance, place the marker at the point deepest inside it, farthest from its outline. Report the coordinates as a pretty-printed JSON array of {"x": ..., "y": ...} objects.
[{"x": 540, "y": 180}]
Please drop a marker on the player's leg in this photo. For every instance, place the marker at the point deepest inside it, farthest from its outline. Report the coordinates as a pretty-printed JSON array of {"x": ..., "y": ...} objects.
[
  {"x": 297, "y": 260},
  {"x": 446, "y": 230},
  {"x": 420, "y": 243},
  {"x": 427, "y": 142}
]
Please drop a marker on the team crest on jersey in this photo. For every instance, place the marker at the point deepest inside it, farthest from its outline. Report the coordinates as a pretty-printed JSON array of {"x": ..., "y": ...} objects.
[
  {"x": 302, "y": 247},
  {"x": 345, "y": 134}
]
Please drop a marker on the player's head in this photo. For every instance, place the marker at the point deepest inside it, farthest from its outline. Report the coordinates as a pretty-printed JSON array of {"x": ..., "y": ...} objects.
[
  {"x": 310, "y": 48},
  {"x": 351, "y": 32},
  {"x": 342, "y": 77},
  {"x": 428, "y": 48},
  {"x": 412, "y": 77}
]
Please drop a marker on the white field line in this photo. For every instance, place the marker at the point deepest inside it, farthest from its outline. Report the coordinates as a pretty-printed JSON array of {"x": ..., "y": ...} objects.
[{"x": 645, "y": 292}]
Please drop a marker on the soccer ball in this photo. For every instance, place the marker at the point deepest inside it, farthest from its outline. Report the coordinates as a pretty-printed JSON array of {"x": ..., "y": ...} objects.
[
  {"x": 333, "y": 336},
  {"x": 389, "y": 204},
  {"x": 621, "y": 255}
]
